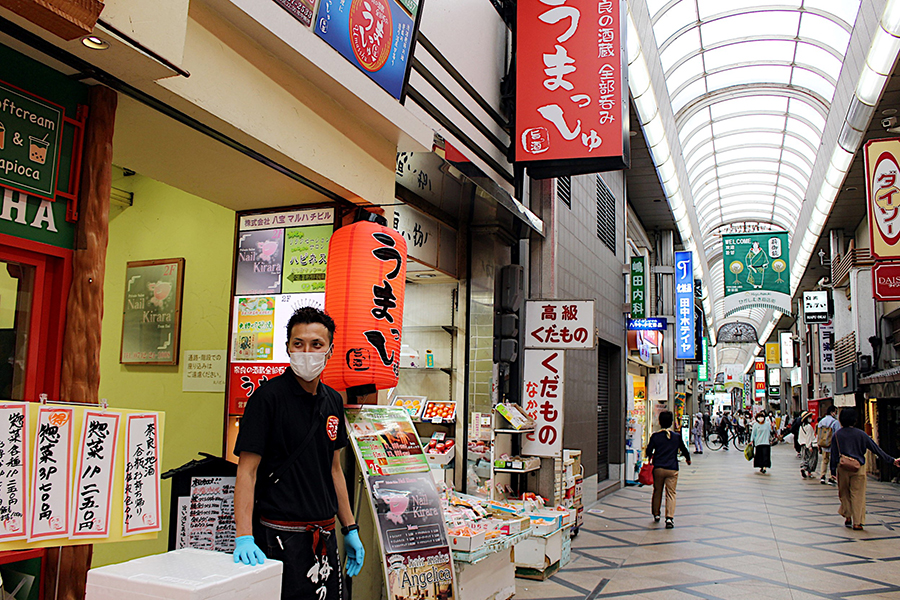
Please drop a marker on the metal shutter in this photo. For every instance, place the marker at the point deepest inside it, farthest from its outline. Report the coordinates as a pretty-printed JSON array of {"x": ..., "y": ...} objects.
[
  {"x": 606, "y": 215},
  {"x": 603, "y": 381}
]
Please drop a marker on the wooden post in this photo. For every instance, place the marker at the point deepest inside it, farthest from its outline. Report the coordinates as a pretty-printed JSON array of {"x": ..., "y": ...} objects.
[{"x": 66, "y": 570}]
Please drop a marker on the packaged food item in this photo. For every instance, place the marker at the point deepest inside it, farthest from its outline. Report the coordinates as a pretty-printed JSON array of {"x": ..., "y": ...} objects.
[
  {"x": 439, "y": 410},
  {"x": 411, "y": 404}
]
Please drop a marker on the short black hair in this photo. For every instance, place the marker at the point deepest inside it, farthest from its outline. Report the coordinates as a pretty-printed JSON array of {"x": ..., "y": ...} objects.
[
  {"x": 666, "y": 419},
  {"x": 310, "y": 314},
  {"x": 848, "y": 417},
  {"x": 831, "y": 410}
]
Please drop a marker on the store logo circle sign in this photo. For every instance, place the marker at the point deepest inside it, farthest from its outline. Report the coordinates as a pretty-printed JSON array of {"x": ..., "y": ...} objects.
[
  {"x": 886, "y": 197},
  {"x": 886, "y": 281},
  {"x": 371, "y": 32}
]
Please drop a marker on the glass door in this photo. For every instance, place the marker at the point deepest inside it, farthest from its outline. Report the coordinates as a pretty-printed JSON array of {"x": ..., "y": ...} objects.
[{"x": 16, "y": 301}]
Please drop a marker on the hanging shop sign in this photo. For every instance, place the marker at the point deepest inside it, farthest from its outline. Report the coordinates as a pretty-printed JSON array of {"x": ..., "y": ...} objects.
[
  {"x": 302, "y": 10},
  {"x": 757, "y": 272},
  {"x": 376, "y": 36},
  {"x": 648, "y": 324},
  {"x": 364, "y": 295},
  {"x": 882, "y": 160},
  {"x": 73, "y": 474},
  {"x": 826, "y": 348},
  {"x": 684, "y": 306},
  {"x": 151, "y": 318},
  {"x": 422, "y": 234},
  {"x": 748, "y": 388},
  {"x": 565, "y": 324},
  {"x": 760, "y": 378},
  {"x": 571, "y": 97},
  {"x": 544, "y": 393},
  {"x": 886, "y": 280},
  {"x": 35, "y": 219},
  {"x": 787, "y": 349},
  {"x": 415, "y": 553},
  {"x": 703, "y": 367},
  {"x": 773, "y": 353},
  {"x": 30, "y": 140},
  {"x": 815, "y": 307},
  {"x": 281, "y": 259},
  {"x": 639, "y": 287},
  {"x": 658, "y": 387}
]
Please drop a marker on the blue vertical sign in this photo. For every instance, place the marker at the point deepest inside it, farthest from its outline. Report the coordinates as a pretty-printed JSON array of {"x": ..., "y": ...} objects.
[{"x": 684, "y": 306}]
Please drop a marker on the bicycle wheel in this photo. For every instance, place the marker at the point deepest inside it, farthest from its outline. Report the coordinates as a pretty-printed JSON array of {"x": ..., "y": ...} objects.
[
  {"x": 714, "y": 442},
  {"x": 739, "y": 442}
]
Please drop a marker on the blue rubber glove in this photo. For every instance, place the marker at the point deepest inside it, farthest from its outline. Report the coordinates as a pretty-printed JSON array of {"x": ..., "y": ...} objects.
[
  {"x": 246, "y": 551},
  {"x": 356, "y": 554}
]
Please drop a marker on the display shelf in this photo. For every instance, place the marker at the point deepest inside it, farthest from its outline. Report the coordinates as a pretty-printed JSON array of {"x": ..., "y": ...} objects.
[
  {"x": 529, "y": 470},
  {"x": 430, "y": 328},
  {"x": 439, "y": 421},
  {"x": 491, "y": 547},
  {"x": 511, "y": 431}
]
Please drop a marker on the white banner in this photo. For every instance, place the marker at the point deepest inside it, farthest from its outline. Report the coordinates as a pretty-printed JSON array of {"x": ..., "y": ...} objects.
[
  {"x": 544, "y": 393},
  {"x": 92, "y": 504},
  {"x": 51, "y": 474},
  {"x": 13, "y": 431},
  {"x": 142, "y": 502},
  {"x": 826, "y": 348},
  {"x": 565, "y": 324},
  {"x": 658, "y": 387}
]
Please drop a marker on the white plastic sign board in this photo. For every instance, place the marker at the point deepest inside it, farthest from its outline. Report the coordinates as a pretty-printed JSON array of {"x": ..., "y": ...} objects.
[
  {"x": 544, "y": 393},
  {"x": 562, "y": 324},
  {"x": 50, "y": 475},
  {"x": 91, "y": 504}
]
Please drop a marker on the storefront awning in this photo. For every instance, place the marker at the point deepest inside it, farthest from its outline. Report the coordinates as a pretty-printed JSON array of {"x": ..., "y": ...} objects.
[{"x": 885, "y": 376}]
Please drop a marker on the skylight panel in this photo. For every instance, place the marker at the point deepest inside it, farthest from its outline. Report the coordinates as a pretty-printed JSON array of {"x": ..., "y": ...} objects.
[
  {"x": 701, "y": 136},
  {"x": 749, "y": 154},
  {"x": 824, "y": 31},
  {"x": 699, "y": 161},
  {"x": 808, "y": 111},
  {"x": 845, "y": 10},
  {"x": 748, "y": 139},
  {"x": 689, "y": 69},
  {"x": 799, "y": 145},
  {"x": 744, "y": 104},
  {"x": 686, "y": 127},
  {"x": 762, "y": 51},
  {"x": 810, "y": 54},
  {"x": 782, "y": 24},
  {"x": 802, "y": 130},
  {"x": 749, "y": 122},
  {"x": 750, "y": 166},
  {"x": 799, "y": 160},
  {"x": 686, "y": 43},
  {"x": 688, "y": 94},
  {"x": 683, "y": 13},
  {"x": 749, "y": 75},
  {"x": 804, "y": 78}
]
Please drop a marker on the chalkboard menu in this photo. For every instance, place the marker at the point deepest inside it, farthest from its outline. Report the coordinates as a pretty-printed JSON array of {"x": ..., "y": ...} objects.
[{"x": 151, "y": 318}]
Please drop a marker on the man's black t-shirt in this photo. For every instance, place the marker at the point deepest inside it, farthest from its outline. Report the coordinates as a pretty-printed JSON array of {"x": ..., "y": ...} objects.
[{"x": 276, "y": 420}]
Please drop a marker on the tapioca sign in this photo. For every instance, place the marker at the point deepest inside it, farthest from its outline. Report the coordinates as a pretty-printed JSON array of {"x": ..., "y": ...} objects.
[{"x": 30, "y": 135}]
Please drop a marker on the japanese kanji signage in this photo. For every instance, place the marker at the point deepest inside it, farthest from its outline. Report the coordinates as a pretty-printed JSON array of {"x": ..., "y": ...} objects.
[
  {"x": 815, "y": 307},
  {"x": 757, "y": 271},
  {"x": 882, "y": 159},
  {"x": 638, "y": 287},
  {"x": 566, "y": 324},
  {"x": 703, "y": 368},
  {"x": 544, "y": 388},
  {"x": 30, "y": 136},
  {"x": 787, "y": 349},
  {"x": 648, "y": 324},
  {"x": 66, "y": 477},
  {"x": 376, "y": 36},
  {"x": 684, "y": 306},
  {"x": 826, "y": 348},
  {"x": 422, "y": 234},
  {"x": 571, "y": 96},
  {"x": 886, "y": 281}
]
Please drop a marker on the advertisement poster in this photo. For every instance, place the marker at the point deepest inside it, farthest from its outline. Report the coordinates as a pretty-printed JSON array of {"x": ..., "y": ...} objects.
[
  {"x": 92, "y": 503},
  {"x": 141, "y": 505},
  {"x": 259, "y": 259},
  {"x": 305, "y": 259},
  {"x": 423, "y": 575},
  {"x": 151, "y": 317},
  {"x": 255, "y": 328},
  {"x": 409, "y": 514},
  {"x": 757, "y": 271},
  {"x": 882, "y": 160},
  {"x": 246, "y": 379},
  {"x": 374, "y": 35},
  {"x": 544, "y": 393},
  {"x": 386, "y": 439},
  {"x": 51, "y": 471}
]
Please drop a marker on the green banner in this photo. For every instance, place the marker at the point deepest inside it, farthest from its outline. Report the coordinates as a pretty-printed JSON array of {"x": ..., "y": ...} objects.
[
  {"x": 703, "y": 368},
  {"x": 757, "y": 271},
  {"x": 305, "y": 259},
  {"x": 30, "y": 218},
  {"x": 30, "y": 129},
  {"x": 638, "y": 287}
]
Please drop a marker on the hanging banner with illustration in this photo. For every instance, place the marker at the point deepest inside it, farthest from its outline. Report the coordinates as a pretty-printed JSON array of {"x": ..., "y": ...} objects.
[
  {"x": 412, "y": 534},
  {"x": 69, "y": 475},
  {"x": 757, "y": 271}
]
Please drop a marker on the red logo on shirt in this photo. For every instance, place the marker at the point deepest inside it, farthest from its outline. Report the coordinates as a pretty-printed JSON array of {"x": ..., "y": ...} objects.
[{"x": 332, "y": 427}]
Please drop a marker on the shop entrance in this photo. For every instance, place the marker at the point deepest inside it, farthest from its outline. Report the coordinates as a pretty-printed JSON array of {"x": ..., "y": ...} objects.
[
  {"x": 603, "y": 394},
  {"x": 16, "y": 294}
]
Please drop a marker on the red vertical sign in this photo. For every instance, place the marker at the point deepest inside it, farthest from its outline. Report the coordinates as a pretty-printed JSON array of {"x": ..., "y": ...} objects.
[{"x": 569, "y": 80}]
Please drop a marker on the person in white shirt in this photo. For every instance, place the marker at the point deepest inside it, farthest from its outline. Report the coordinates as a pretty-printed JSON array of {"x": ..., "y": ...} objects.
[{"x": 806, "y": 438}]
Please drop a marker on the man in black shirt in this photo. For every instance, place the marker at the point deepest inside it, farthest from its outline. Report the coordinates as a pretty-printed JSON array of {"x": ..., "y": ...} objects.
[{"x": 289, "y": 470}]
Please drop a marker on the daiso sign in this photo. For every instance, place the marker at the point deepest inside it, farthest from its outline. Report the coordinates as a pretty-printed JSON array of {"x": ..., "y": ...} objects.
[{"x": 886, "y": 281}]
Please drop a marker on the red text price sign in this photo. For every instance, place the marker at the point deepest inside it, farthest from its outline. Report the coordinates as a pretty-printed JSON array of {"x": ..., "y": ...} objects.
[{"x": 544, "y": 385}]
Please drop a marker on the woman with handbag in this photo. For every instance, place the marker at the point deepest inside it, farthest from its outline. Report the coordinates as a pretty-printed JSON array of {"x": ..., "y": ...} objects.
[
  {"x": 848, "y": 460},
  {"x": 761, "y": 440},
  {"x": 662, "y": 451}
]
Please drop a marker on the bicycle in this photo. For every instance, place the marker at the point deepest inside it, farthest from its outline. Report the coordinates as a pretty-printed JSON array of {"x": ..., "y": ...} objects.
[{"x": 715, "y": 440}]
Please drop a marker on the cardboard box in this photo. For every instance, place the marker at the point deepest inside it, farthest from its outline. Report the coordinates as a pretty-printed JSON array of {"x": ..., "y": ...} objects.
[
  {"x": 516, "y": 417},
  {"x": 467, "y": 543},
  {"x": 186, "y": 574},
  {"x": 545, "y": 522},
  {"x": 513, "y": 525},
  {"x": 539, "y": 552}
]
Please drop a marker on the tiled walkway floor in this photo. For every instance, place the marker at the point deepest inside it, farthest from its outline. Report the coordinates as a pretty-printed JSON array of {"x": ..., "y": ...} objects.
[{"x": 738, "y": 535}]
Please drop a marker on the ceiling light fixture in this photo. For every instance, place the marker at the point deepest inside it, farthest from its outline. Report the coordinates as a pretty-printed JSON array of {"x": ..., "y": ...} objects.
[{"x": 95, "y": 43}]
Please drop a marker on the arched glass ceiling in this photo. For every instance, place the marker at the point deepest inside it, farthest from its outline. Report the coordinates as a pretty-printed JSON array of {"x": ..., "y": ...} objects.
[{"x": 750, "y": 83}]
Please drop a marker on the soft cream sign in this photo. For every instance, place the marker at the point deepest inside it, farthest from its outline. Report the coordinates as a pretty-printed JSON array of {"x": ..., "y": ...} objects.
[{"x": 30, "y": 129}]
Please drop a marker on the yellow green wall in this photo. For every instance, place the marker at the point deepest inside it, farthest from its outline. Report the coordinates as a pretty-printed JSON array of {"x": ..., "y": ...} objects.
[{"x": 165, "y": 222}]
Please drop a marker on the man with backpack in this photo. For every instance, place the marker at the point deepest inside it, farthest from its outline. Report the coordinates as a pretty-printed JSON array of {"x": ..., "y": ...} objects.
[{"x": 824, "y": 434}]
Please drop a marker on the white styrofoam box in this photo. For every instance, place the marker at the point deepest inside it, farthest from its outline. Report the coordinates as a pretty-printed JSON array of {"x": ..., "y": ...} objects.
[
  {"x": 467, "y": 543},
  {"x": 539, "y": 552},
  {"x": 186, "y": 574}
]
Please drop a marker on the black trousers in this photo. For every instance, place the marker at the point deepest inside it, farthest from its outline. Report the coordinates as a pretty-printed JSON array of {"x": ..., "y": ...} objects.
[{"x": 306, "y": 575}]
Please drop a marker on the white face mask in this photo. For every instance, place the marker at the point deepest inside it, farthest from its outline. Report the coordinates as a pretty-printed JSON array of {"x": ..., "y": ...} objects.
[{"x": 308, "y": 365}]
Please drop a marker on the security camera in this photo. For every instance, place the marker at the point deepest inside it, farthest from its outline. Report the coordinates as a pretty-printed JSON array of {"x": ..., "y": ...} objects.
[{"x": 889, "y": 122}]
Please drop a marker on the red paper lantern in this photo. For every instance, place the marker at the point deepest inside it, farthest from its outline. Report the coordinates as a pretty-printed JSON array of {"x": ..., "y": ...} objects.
[{"x": 364, "y": 288}]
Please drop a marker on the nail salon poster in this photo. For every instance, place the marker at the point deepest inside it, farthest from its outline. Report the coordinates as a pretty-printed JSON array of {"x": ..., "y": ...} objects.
[
  {"x": 412, "y": 532},
  {"x": 375, "y": 35}
]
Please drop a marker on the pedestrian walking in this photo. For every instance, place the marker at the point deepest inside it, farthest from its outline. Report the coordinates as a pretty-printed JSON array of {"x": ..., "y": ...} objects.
[
  {"x": 707, "y": 425},
  {"x": 724, "y": 425},
  {"x": 828, "y": 426},
  {"x": 663, "y": 450},
  {"x": 697, "y": 434},
  {"x": 809, "y": 452},
  {"x": 795, "y": 429},
  {"x": 761, "y": 438},
  {"x": 848, "y": 462}
]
